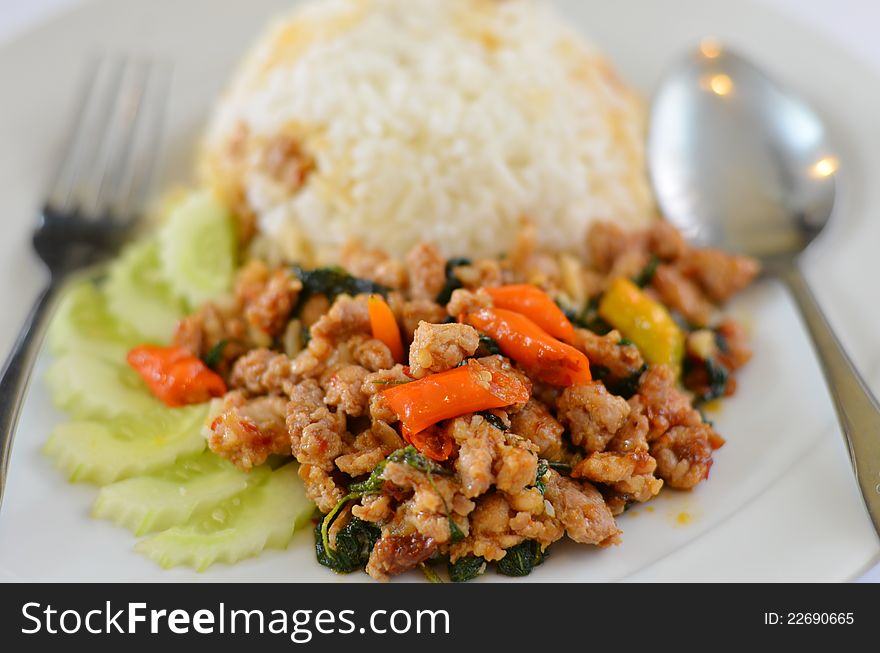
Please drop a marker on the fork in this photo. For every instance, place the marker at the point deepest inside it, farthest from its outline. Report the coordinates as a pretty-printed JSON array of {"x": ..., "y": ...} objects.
[{"x": 93, "y": 202}]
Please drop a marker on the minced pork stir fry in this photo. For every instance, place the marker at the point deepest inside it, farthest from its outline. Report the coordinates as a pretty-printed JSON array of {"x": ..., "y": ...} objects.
[{"x": 473, "y": 411}]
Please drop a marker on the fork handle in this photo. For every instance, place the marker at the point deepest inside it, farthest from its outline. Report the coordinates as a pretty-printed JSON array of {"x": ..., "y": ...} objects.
[
  {"x": 857, "y": 409},
  {"x": 16, "y": 375}
]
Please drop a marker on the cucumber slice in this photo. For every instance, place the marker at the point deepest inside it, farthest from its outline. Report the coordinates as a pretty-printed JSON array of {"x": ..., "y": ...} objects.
[
  {"x": 259, "y": 518},
  {"x": 84, "y": 324},
  {"x": 198, "y": 247},
  {"x": 138, "y": 294},
  {"x": 103, "y": 452},
  {"x": 91, "y": 387},
  {"x": 171, "y": 496}
]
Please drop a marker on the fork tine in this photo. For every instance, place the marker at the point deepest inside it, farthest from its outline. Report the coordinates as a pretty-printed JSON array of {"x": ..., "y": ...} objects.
[
  {"x": 61, "y": 183},
  {"x": 98, "y": 187},
  {"x": 114, "y": 141},
  {"x": 138, "y": 165},
  {"x": 95, "y": 104},
  {"x": 119, "y": 138}
]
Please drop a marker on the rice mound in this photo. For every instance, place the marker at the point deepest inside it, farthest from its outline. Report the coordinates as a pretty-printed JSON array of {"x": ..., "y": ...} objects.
[{"x": 396, "y": 121}]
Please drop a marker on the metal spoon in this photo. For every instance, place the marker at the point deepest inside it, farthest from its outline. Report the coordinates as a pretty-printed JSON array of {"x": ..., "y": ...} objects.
[{"x": 737, "y": 162}]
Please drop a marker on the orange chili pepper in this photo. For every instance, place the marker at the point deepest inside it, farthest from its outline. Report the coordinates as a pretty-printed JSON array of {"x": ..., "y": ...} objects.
[
  {"x": 175, "y": 376},
  {"x": 716, "y": 441},
  {"x": 542, "y": 355},
  {"x": 536, "y": 305},
  {"x": 466, "y": 389},
  {"x": 384, "y": 326}
]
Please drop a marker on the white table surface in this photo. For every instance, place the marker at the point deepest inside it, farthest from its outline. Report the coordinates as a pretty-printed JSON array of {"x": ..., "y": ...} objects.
[{"x": 852, "y": 24}]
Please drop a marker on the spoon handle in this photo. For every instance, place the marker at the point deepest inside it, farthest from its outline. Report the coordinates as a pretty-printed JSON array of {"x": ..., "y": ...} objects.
[{"x": 857, "y": 409}]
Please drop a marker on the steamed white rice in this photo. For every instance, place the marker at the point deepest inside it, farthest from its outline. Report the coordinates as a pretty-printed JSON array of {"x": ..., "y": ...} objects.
[{"x": 445, "y": 120}]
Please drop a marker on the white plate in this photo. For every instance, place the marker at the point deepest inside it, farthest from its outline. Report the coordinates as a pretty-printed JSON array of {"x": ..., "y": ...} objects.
[{"x": 781, "y": 503}]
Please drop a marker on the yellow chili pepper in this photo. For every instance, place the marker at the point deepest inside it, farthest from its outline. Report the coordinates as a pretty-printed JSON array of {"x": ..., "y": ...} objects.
[{"x": 644, "y": 321}]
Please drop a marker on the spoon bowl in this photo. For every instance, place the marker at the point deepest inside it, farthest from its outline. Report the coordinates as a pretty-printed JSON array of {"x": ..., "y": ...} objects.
[{"x": 737, "y": 162}]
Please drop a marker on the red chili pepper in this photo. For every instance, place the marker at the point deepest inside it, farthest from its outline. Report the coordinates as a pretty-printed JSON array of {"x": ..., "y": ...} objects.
[
  {"x": 435, "y": 443},
  {"x": 708, "y": 469},
  {"x": 542, "y": 355},
  {"x": 467, "y": 389},
  {"x": 536, "y": 305},
  {"x": 175, "y": 376}
]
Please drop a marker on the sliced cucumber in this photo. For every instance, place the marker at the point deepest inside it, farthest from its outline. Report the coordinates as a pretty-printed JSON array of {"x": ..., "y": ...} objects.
[
  {"x": 103, "y": 452},
  {"x": 261, "y": 517},
  {"x": 198, "y": 246},
  {"x": 138, "y": 293},
  {"x": 84, "y": 324},
  {"x": 171, "y": 496},
  {"x": 91, "y": 387}
]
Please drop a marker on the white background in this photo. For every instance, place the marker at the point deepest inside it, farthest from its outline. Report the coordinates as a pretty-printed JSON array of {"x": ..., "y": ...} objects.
[{"x": 852, "y": 24}]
